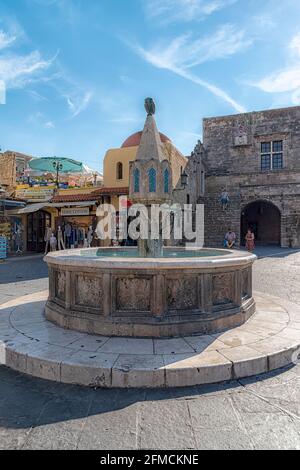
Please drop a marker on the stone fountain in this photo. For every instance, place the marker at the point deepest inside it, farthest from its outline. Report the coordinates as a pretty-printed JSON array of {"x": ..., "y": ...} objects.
[
  {"x": 154, "y": 291},
  {"x": 128, "y": 304}
]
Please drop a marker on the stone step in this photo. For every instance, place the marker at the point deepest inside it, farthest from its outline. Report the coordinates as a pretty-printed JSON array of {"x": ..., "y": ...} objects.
[{"x": 32, "y": 345}]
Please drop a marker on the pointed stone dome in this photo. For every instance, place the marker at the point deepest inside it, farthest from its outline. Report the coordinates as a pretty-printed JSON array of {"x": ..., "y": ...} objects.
[
  {"x": 150, "y": 147},
  {"x": 150, "y": 173}
]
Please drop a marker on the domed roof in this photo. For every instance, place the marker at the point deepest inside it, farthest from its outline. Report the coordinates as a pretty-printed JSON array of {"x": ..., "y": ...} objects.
[{"x": 135, "y": 139}]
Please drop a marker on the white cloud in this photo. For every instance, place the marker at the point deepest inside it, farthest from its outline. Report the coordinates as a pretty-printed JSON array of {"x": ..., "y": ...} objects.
[
  {"x": 184, "y": 53},
  {"x": 16, "y": 70},
  {"x": 77, "y": 104},
  {"x": 286, "y": 79},
  {"x": 168, "y": 11},
  {"x": 6, "y": 40},
  {"x": 264, "y": 22},
  {"x": 2, "y": 92},
  {"x": 19, "y": 71},
  {"x": 38, "y": 119},
  {"x": 295, "y": 45},
  {"x": 281, "y": 81},
  {"x": 37, "y": 96}
]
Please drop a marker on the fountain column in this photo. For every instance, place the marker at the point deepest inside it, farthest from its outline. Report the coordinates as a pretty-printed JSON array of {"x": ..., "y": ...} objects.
[{"x": 150, "y": 179}]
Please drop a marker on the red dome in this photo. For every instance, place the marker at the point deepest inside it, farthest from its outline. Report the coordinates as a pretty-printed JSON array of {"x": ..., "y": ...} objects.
[{"x": 135, "y": 139}]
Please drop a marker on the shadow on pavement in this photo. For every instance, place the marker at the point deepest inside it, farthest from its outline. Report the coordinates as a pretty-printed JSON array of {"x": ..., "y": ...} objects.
[
  {"x": 273, "y": 251},
  {"x": 22, "y": 270},
  {"x": 30, "y": 402}
]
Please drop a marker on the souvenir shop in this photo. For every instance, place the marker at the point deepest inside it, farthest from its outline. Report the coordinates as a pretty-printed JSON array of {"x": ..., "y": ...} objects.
[
  {"x": 11, "y": 227},
  {"x": 76, "y": 226}
]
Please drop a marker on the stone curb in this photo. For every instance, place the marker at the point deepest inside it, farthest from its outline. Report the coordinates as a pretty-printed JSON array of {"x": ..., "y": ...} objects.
[{"x": 25, "y": 347}]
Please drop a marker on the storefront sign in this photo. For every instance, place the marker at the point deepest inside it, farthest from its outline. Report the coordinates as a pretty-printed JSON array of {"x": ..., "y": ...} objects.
[
  {"x": 35, "y": 195},
  {"x": 73, "y": 211}
]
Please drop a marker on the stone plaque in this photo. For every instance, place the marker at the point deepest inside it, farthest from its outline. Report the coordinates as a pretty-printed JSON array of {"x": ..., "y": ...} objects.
[
  {"x": 133, "y": 294},
  {"x": 182, "y": 294},
  {"x": 89, "y": 291},
  {"x": 222, "y": 289},
  {"x": 241, "y": 134}
]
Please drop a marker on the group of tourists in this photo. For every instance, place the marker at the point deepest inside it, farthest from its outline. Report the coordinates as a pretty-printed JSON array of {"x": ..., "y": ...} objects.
[{"x": 230, "y": 240}]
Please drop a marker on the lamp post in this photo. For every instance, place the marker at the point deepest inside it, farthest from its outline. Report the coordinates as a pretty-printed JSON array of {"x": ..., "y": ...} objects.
[{"x": 57, "y": 167}]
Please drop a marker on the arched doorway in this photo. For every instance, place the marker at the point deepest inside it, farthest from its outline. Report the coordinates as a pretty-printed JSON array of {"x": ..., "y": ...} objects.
[{"x": 264, "y": 219}]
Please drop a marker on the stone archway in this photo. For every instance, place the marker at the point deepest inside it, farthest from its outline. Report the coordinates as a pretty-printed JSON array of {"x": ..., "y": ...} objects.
[{"x": 264, "y": 218}]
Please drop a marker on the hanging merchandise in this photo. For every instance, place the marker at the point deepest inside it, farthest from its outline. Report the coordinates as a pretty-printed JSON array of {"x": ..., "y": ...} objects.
[
  {"x": 3, "y": 247},
  {"x": 53, "y": 242},
  {"x": 18, "y": 238},
  {"x": 68, "y": 233},
  {"x": 47, "y": 237},
  {"x": 60, "y": 239}
]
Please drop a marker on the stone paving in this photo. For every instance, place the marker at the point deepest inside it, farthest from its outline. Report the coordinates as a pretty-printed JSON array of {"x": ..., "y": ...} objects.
[
  {"x": 261, "y": 412},
  {"x": 31, "y": 344}
]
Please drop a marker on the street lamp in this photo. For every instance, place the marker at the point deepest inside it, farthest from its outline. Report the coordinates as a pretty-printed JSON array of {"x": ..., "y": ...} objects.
[
  {"x": 57, "y": 167},
  {"x": 184, "y": 179}
]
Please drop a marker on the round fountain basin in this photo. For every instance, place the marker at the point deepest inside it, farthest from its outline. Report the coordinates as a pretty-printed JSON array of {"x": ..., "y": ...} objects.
[{"x": 113, "y": 291}]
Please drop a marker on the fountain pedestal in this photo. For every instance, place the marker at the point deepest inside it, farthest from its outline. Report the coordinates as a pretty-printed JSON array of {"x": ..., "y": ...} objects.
[{"x": 149, "y": 297}]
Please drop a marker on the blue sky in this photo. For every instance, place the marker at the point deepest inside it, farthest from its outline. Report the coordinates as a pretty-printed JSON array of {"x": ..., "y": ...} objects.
[{"x": 77, "y": 71}]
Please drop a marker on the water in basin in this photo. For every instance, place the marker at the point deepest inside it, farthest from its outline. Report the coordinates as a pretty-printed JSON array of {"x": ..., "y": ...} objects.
[{"x": 133, "y": 253}]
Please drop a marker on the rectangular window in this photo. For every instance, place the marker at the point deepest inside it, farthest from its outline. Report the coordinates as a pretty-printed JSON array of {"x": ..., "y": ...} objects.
[
  {"x": 266, "y": 162},
  {"x": 265, "y": 147},
  {"x": 272, "y": 155},
  {"x": 277, "y": 161},
  {"x": 277, "y": 146}
]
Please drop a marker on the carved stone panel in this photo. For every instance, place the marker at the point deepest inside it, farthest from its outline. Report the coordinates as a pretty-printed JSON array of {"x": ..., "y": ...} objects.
[
  {"x": 89, "y": 291},
  {"x": 246, "y": 291},
  {"x": 223, "y": 288},
  {"x": 182, "y": 294},
  {"x": 241, "y": 134},
  {"x": 60, "y": 285},
  {"x": 133, "y": 294}
]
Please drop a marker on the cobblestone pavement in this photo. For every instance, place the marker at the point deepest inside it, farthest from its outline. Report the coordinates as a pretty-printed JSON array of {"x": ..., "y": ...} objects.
[{"x": 257, "y": 413}]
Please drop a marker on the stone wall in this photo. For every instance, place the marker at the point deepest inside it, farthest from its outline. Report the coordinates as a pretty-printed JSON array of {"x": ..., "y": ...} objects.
[
  {"x": 8, "y": 170},
  {"x": 233, "y": 162}
]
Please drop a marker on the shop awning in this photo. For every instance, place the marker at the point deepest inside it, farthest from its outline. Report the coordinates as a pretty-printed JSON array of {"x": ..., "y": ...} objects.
[
  {"x": 11, "y": 203},
  {"x": 29, "y": 209},
  {"x": 56, "y": 205}
]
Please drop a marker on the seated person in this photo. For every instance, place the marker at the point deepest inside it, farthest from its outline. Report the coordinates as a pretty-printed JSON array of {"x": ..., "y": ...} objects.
[{"x": 230, "y": 239}]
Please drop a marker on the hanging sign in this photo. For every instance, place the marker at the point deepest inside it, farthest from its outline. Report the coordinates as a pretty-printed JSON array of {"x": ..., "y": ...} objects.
[{"x": 73, "y": 211}]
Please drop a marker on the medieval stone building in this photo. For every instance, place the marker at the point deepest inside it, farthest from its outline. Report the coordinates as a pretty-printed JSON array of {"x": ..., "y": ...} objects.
[{"x": 254, "y": 160}]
